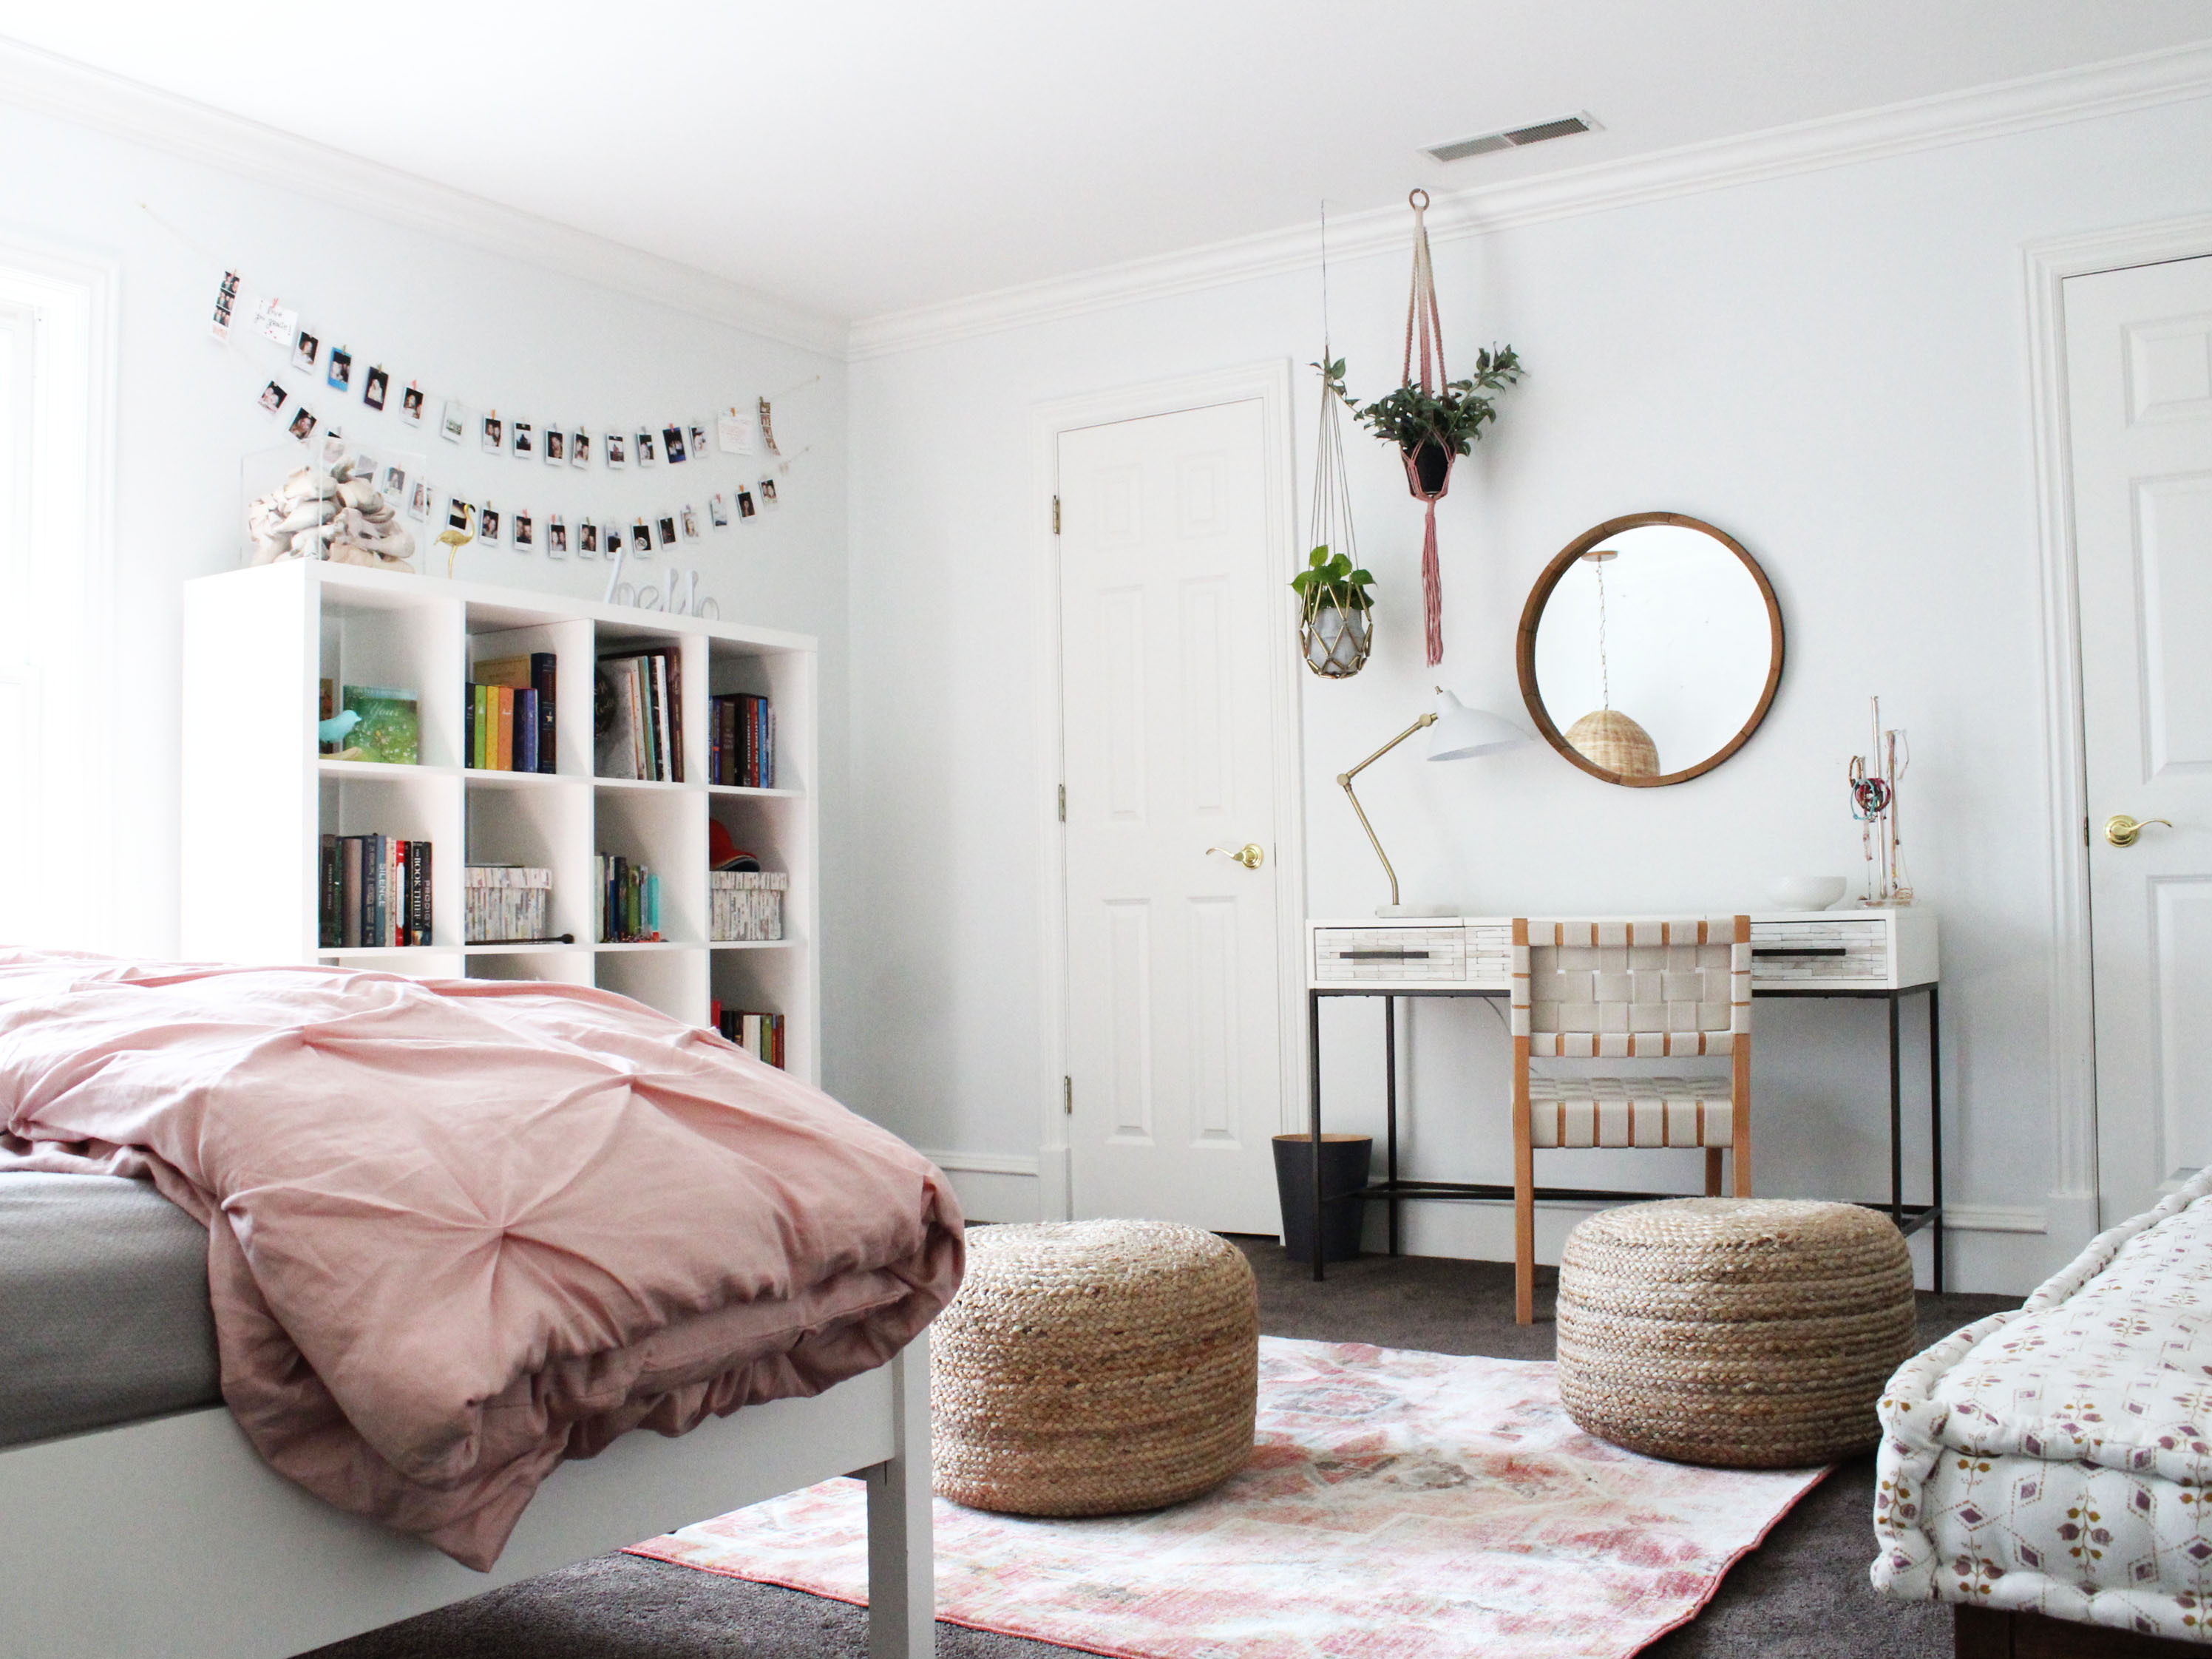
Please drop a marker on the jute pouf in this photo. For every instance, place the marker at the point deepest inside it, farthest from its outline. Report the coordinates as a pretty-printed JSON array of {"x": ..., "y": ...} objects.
[
  {"x": 1094, "y": 1368},
  {"x": 1746, "y": 1332}
]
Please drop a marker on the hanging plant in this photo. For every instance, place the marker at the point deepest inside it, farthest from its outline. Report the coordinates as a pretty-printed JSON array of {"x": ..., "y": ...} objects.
[
  {"x": 1336, "y": 618},
  {"x": 1432, "y": 421}
]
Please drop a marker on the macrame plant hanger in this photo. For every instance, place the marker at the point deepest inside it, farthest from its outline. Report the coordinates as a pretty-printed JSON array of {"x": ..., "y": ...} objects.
[
  {"x": 1425, "y": 326},
  {"x": 1337, "y": 629}
]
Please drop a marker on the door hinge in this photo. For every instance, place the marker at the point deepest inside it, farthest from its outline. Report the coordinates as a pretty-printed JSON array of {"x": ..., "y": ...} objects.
[
  {"x": 1063, "y": 803},
  {"x": 1068, "y": 1096},
  {"x": 1055, "y": 516},
  {"x": 2084, "y": 829}
]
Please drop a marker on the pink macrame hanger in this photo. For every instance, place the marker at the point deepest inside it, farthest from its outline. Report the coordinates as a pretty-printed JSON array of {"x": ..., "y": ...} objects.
[{"x": 1424, "y": 323}]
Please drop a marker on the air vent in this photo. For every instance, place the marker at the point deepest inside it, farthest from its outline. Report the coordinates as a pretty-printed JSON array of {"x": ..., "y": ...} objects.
[{"x": 1514, "y": 138}]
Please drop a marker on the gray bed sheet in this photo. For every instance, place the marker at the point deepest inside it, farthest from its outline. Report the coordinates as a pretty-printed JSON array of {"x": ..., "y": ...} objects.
[{"x": 104, "y": 1315}]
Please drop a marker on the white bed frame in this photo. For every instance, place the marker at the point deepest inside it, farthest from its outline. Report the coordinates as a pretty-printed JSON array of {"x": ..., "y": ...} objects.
[{"x": 171, "y": 1538}]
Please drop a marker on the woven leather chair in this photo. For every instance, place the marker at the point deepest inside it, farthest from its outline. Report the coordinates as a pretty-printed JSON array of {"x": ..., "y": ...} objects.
[{"x": 1627, "y": 990}]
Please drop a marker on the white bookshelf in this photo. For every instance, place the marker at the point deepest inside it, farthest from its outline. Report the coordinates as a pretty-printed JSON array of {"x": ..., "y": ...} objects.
[{"x": 258, "y": 798}]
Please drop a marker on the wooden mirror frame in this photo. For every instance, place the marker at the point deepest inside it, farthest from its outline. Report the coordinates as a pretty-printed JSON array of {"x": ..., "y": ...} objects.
[{"x": 1533, "y": 613}]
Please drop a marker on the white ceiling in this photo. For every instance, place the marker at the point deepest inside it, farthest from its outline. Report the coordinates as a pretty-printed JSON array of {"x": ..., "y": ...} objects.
[{"x": 863, "y": 157}]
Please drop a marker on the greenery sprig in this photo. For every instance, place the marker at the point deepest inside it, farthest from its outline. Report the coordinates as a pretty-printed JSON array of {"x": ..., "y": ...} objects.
[
  {"x": 1454, "y": 417},
  {"x": 1325, "y": 577}
]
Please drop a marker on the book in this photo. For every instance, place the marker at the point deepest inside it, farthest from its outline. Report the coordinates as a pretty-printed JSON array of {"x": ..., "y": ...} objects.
[
  {"x": 349, "y": 892},
  {"x": 674, "y": 663},
  {"x": 526, "y": 730},
  {"x": 326, "y": 707},
  {"x": 542, "y": 681},
  {"x": 502, "y": 743},
  {"x": 328, "y": 924},
  {"x": 613, "y": 754},
  {"x": 391, "y": 727}
]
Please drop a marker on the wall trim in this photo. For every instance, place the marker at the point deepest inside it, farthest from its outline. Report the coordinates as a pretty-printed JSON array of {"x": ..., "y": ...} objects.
[
  {"x": 1993, "y": 1218},
  {"x": 1269, "y": 381},
  {"x": 1001, "y": 1164},
  {"x": 2073, "y": 1101},
  {"x": 49, "y": 84},
  {"x": 2143, "y": 81}
]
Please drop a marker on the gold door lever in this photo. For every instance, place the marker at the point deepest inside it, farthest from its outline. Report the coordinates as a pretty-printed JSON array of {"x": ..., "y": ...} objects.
[
  {"x": 1250, "y": 855},
  {"x": 2121, "y": 830}
]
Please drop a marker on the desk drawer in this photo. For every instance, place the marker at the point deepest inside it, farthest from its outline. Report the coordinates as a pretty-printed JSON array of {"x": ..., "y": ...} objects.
[
  {"x": 1344, "y": 956},
  {"x": 1852, "y": 950}
]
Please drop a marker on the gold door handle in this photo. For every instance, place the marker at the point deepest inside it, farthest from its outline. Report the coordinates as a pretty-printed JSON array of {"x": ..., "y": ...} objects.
[
  {"x": 1250, "y": 854},
  {"x": 2121, "y": 830}
]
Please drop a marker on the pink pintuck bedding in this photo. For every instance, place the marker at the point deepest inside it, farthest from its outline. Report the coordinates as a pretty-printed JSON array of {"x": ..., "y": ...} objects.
[{"x": 461, "y": 1230}]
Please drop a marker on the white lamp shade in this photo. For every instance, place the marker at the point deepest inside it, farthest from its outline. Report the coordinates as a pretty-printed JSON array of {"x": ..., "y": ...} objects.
[{"x": 1461, "y": 734}]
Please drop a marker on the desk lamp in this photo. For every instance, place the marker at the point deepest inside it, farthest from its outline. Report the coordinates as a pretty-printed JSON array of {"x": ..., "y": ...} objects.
[{"x": 1461, "y": 733}]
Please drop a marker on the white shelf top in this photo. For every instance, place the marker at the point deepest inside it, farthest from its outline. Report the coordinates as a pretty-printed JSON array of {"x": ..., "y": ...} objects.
[{"x": 753, "y": 944}]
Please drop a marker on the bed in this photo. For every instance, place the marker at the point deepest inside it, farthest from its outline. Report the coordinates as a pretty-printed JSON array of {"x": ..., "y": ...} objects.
[{"x": 143, "y": 1518}]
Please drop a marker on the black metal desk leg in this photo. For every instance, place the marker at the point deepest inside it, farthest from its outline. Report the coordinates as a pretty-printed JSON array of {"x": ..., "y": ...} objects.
[
  {"x": 1390, "y": 1108},
  {"x": 1313, "y": 1068},
  {"x": 1896, "y": 1122},
  {"x": 1935, "y": 1137}
]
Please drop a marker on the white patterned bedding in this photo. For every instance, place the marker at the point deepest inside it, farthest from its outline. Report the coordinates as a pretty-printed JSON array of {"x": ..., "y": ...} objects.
[{"x": 2058, "y": 1460}]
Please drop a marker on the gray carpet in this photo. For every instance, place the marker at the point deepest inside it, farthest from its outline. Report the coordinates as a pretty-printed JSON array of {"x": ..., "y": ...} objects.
[{"x": 1804, "y": 1594}]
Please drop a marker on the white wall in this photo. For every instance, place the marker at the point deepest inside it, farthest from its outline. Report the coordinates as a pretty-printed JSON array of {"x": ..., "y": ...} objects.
[
  {"x": 543, "y": 346},
  {"x": 1832, "y": 366}
]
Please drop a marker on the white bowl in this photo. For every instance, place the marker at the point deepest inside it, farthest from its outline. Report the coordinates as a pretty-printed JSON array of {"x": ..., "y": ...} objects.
[{"x": 1807, "y": 892}]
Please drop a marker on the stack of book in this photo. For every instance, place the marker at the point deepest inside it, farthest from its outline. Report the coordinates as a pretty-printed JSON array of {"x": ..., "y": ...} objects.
[
  {"x": 374, "y": 891},
  {"x": 759, "y": 1035},
  {"x": 745, "y": 904},
  {"x": 744, "y": 742},
  {"x": 629, "y": 902},
  {"x": 508, "y": 715},
  {"x": 639, "y": 718},
  {"x": 504, "y": 903}
]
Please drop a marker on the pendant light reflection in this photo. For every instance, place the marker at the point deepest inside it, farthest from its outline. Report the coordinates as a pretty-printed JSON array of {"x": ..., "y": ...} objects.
[{"x": 1605, "y": 736}]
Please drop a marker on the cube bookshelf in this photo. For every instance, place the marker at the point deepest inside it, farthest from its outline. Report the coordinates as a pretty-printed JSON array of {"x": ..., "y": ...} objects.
[{"x": 258, "y": 798}]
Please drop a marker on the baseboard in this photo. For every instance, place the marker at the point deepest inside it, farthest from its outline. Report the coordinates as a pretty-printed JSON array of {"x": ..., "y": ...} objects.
[
  {"x": 992, "y": 1186},
  {"x": 1993, "y": 1218}
]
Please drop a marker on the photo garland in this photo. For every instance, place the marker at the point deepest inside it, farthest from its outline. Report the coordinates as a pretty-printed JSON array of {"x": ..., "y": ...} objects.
[{"x": 675, "y": 444}]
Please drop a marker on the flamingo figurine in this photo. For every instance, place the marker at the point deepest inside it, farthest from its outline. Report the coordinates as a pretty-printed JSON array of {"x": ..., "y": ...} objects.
[{"x": 455, "y": 540}]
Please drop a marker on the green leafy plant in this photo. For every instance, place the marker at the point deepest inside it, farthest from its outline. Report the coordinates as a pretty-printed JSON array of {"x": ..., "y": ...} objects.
[
  {"x": 1454, "y": 417},
  {"x": 1326, "y": 578}
]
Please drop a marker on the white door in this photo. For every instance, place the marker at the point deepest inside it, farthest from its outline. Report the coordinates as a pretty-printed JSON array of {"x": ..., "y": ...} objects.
[
  {"x": 2139, "y": 370},
  {"x": 1166, "y": 636}
]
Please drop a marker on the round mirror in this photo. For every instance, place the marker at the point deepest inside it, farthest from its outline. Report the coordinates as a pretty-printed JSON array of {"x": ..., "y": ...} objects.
[{"x": 1650, "y": 649}]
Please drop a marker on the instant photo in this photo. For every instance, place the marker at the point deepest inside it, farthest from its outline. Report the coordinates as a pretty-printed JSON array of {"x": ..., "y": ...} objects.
[
  {"x": 420, "y": 499},
  {"x": 580, "y": 447},
  {"x": 556, "y": 446},
  {"x": 452, "y": 423},
  {"x": 304, "y": 348},
  {"x": 588, "y": 540},
  {"x": 394, "y": 487},
  {"x": 645, "y": 455},
  {"x": 640, "y": 539},
  {"x": 767, "y": 492},
  {"x": 717, "y": 511},
  {"x": 410, "y": 404},
  {"x": 487, "y": 524},
  {"x": 341, "y": 369},
  {"x": 274, "y": 398},
  {"x": 303, "y": 424},
  {"x": 699, "y": 443},
  {"x": 494, "y": 434},
  {"x": 459, "y": 513},
  {"x": 373, "y": 388},
  {"x": 672, "y": 438},
  {"x": 613, "y": 540},
  {"x": 556, "y": 537},
  {"x": 690, "y": 520},
  {"x": 745, "y": 507},
  {"x": 526, "y": 530},
  {"x": 520, "y": 431},
  {"x": 668, "y": 530}
]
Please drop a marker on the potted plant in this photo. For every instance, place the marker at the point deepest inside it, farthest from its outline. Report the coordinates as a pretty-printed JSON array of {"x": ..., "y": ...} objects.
[
  {"x": 1432, "y": 428},
  {"x": 1336, "y": 614}
]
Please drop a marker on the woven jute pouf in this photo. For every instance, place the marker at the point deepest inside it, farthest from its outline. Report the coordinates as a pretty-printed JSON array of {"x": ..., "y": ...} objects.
[
  {"x": 1749, "y": 1332},
  {"x": 1094, "y": 1368}
]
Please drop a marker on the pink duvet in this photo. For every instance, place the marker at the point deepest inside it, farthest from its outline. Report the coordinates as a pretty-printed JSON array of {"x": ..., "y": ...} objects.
[{"x": 459, "y": 1230}]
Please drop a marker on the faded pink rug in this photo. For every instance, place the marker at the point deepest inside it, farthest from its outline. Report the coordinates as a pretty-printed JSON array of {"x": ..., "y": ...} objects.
[{"x": 1413, "y": 1505}]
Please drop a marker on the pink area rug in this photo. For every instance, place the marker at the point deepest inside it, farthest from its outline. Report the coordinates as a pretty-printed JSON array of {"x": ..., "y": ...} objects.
[{"x": 1413, "y": 1505}]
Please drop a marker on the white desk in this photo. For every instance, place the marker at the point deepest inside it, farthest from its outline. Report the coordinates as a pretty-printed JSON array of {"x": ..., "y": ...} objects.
[{"x": 1868, "y": 954}]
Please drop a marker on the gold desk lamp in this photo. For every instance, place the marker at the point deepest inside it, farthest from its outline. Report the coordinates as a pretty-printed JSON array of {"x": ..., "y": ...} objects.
[{"x": 1461, "y": 733}]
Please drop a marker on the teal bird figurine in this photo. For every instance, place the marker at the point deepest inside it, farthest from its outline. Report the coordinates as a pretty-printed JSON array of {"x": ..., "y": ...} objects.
[{"x": 334, "y": 730}]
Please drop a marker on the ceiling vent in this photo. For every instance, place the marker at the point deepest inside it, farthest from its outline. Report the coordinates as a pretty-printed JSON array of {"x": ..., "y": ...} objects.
[{"x": 1514, "y": 138}]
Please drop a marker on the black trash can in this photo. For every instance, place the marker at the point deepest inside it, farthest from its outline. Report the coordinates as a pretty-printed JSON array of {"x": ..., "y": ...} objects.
[{"x": 1344, "y": 1160}]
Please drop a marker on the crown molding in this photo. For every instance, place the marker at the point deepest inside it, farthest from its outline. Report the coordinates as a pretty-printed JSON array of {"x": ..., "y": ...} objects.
[
  {"x": 46, "y": 83},
  {"x": 2122, "y": 84}
]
